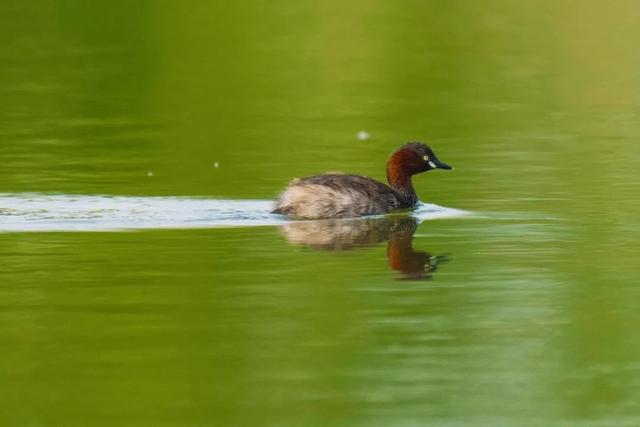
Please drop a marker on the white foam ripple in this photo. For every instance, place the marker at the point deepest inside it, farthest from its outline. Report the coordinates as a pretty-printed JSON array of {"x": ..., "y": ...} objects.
[{"x": 21, "y": 212}]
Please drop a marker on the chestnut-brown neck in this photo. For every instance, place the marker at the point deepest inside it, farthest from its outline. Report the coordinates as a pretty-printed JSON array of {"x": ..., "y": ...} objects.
[{"x": 399, "y": 178}]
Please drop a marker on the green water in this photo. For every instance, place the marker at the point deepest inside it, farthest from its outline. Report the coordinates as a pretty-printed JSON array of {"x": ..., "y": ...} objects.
[{"x": 525, "y": 314}]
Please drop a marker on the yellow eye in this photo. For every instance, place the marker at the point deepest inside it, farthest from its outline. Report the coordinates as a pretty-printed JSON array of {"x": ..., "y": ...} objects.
[{"x": 426, "y": 158}]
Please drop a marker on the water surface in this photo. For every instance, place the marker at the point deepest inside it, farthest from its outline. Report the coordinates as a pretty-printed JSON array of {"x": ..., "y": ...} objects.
[{"x": 146, "y": 115}]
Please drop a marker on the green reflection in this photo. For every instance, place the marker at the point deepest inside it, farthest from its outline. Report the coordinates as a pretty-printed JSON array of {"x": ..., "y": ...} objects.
[{"x": 531, "y": 323}]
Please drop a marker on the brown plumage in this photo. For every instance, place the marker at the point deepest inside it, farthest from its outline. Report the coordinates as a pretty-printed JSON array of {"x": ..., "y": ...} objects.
[{"x": 336, "y": 195}]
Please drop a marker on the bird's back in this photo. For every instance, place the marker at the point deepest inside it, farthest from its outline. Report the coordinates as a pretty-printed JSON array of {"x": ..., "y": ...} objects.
[{"x": 336, "y": 196}]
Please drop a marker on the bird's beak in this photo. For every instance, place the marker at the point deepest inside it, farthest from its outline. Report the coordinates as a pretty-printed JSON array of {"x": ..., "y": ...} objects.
[{"x": 435, "y": 163}]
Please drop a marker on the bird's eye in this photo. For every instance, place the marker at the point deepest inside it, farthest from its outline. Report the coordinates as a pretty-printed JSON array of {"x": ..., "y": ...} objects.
[{"x": 426, "y": 158}]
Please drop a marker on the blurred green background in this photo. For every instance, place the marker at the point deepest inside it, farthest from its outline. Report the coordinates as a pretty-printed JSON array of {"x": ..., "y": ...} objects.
[{"x": 533, "y": 321}]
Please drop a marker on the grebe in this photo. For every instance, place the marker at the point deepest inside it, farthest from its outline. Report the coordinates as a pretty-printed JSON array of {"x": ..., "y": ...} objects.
[{"x": 337, "y": 195}]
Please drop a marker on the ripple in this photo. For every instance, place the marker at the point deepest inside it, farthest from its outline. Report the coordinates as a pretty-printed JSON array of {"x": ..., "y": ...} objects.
[{"x": 42, "y": 212}]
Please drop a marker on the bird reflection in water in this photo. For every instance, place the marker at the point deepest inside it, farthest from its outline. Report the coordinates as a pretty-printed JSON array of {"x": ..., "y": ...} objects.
[{"x": 346, "y": 234}]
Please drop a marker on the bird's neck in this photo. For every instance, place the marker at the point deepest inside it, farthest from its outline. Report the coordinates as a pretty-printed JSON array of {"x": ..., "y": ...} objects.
[{"x": 402, "y": 184}]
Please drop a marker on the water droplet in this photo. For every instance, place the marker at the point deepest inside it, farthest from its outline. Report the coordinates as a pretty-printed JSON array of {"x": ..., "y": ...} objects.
[
  {"x": 363, "y": 135},
  {"x": 216, "y": 165},
  {"x": 150, "y": 174}
]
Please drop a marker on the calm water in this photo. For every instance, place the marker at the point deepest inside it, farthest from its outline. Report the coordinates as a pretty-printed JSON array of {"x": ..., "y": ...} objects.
[{"x": 145, "y": 115}]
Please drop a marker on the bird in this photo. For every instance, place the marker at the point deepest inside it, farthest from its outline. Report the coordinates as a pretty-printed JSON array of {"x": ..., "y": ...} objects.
[{"x": 338, "y": 195}]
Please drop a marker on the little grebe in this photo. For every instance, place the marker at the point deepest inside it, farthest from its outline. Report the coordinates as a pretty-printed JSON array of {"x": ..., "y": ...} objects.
[{"x": 336, "y": 195}]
